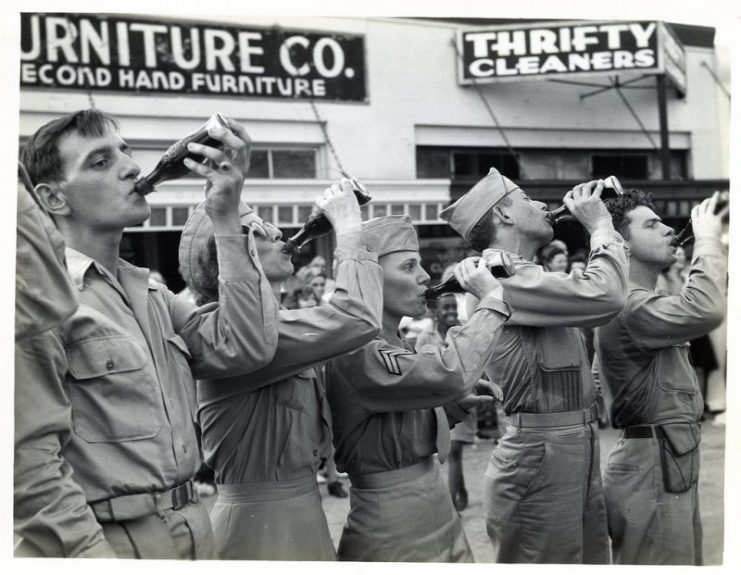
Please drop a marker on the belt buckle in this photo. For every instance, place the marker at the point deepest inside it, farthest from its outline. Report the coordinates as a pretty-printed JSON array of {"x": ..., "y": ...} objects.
[{"x": 181, "y": 496}]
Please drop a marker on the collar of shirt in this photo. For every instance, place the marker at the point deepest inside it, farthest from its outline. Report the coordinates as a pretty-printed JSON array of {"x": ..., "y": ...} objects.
[{"x": 79, "y": 264}]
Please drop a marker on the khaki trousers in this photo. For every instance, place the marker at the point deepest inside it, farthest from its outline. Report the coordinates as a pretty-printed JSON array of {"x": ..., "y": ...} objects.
[{"x": 543, "y": 496}]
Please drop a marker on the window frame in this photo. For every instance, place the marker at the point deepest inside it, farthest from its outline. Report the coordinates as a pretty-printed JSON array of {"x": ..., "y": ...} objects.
[
  {"x": 286, "y": 148},
  {"x": 474, "y": 152}
]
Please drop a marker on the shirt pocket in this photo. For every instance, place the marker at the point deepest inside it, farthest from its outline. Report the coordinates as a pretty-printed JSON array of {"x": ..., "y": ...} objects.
[
  {"x": 559, "y": 352},
  {"x": 179, "y": 355},
  {"x": 113, "y": 398},
  {"x": 671, "y": 367},
  {"x": 296, "y": 391},
  {"x": 559, "y": 349}
]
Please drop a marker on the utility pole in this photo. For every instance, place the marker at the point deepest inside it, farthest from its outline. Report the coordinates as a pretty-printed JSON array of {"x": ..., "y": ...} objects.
[{"x": 663, "y": 127}]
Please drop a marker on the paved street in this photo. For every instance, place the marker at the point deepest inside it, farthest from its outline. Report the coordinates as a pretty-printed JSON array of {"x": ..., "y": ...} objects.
[{"x": 475, "y": 461}]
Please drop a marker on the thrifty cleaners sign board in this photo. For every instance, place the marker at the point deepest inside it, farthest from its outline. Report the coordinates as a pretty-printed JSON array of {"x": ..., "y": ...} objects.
[
  {"x": 568, "y": 49},
  {"x": 129, "y": 54}
]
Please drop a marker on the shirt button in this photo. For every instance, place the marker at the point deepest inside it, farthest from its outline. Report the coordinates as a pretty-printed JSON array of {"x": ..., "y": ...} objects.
[
  {"x": 109, "y": 364},
  {"x": 315, "y": 452},
  {"x": 185, "y": 448},
  {"x": 252, "y": 253}
]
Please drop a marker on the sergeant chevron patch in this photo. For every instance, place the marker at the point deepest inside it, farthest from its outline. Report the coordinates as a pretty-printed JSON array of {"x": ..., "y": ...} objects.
[{"x": 388, "y": 356}]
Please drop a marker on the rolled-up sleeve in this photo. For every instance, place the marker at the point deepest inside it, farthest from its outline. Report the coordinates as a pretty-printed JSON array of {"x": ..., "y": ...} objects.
[{"x": 239, "y": 334}]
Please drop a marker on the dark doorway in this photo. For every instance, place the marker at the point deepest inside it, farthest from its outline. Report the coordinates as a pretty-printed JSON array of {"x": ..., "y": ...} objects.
[{"x": 156, "y": 251}]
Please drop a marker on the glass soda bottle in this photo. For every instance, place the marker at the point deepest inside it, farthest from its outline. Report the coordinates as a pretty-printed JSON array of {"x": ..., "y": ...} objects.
[
  {"x": 562, "y": 213},
  {"x": 170, "y": 166},
  {"x": 500, "y": 265},
  {"x": 687, "y": 234},
  {"x": 317, "y": 223}
]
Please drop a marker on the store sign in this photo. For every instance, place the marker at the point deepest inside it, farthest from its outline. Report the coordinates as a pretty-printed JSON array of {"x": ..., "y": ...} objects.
[
  {"x": 129, "y": 54},
  {"x": 673, "y": 60},
  {"x": 567, "y": 49}
]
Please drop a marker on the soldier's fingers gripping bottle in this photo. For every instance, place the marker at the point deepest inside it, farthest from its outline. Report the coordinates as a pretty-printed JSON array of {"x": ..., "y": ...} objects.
[
  {"x": 562, "y": 213},
  {"x": 500, "y": 265},
  {"x": 317, "y": 223},
  {"x": 170, "y": 166},
  {"x": 687, "y": 234}
]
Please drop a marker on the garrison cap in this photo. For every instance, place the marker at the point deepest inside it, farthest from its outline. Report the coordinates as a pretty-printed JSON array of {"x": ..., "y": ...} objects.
[
  {"x": 390, "y": 234},
  {"x": 466, "y": 212}
]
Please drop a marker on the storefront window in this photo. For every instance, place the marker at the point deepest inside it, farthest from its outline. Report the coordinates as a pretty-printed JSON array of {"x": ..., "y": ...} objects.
[
  {"x": 285, "y": 215},
  {"x": 303, "y": 213},
  {"x": 179, "y": 216},
  {"x": 265, "y": 213},
  {"x": 415, "y": 212},
  {"x": 158, "y": 217},
  {"x": 379, "y": 210},
  {"x": 464, "y": 163},
  {"x": 433, "y": 162},
  {"x": 294, "y": 164},
  {"x": 282, "y": 163},
  {"x": 259, "y": 167},
  {"x": 628, "y": 166}
]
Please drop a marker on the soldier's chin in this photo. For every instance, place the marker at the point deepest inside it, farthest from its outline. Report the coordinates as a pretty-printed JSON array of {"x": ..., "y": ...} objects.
[
  {"x": 548, "y": 233},
  {"x": 418, "y": 310}
]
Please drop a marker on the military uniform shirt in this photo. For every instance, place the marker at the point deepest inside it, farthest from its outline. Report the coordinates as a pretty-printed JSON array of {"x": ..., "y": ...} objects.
[
  {"x": 123, "y": 364},
  {"x": 269, "y": 425},
  {"x": 382, "y": 396},
  {"x": 644, "y": 353},
  {"x": 540, "y": 357}
]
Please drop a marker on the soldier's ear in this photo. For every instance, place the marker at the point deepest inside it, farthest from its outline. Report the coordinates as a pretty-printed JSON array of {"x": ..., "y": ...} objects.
[
  {"x": 52, "y": 199},
  {"x": 501, "y": 215}
]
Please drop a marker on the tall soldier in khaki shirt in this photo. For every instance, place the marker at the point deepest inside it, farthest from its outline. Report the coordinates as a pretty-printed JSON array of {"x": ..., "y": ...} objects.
[
  {"x": 544, "y": 497},
  {"x": 262, "y": 432},
  {"x": 115, "y": 481},
  {"x": 652, "y": 472}
]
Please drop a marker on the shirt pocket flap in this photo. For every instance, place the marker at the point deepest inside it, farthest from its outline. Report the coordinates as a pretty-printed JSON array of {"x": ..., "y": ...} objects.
[
  {"x": 105, "y": 355},
  {"x": 179, "y": 342},
  {"x": 558, "y": 349}
]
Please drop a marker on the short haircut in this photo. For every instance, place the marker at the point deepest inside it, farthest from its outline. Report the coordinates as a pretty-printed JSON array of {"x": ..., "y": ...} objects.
[
  {"x": 41, "y": 151},
  {"x": 203, "y": 281},
  {"x": 621, "y": 207},
  {"x": 482, "y": 233}
]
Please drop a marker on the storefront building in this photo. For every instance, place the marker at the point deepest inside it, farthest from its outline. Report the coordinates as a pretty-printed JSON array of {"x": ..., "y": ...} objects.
[{"x": 416, "y": 109}]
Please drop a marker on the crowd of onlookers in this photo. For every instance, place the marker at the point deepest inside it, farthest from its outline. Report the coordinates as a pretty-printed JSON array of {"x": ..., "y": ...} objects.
[{"x": 309, "y": 286}]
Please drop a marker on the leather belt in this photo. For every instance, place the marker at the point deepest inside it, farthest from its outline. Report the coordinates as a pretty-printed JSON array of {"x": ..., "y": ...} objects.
[
  {"x": 565, "y": 418},
  {"x": 643, "y": 432},
  {"x": 136, "y": 505}
]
